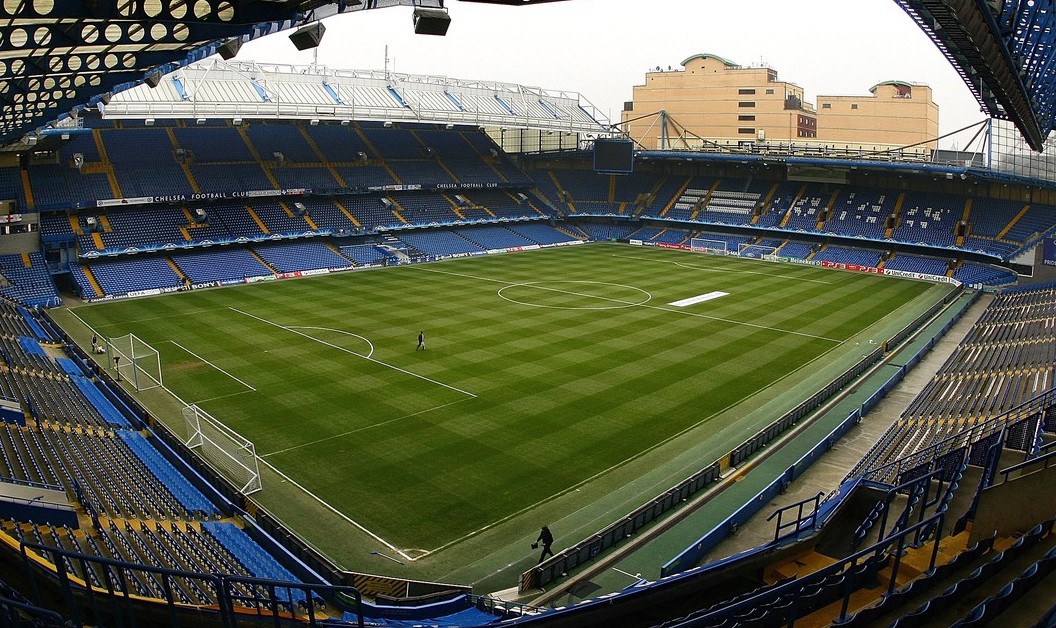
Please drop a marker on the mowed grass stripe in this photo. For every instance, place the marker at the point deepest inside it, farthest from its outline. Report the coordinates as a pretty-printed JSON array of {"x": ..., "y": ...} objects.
[{"x": 564, "y": 393}]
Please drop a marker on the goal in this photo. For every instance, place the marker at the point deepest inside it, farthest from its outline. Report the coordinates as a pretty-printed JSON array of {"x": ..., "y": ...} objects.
[
  {"x": 135, "y": 362},
  {"x": 704, "y": 245},
  {"x": 224, "y": 449},
  {"x": 757, "y": 251}
]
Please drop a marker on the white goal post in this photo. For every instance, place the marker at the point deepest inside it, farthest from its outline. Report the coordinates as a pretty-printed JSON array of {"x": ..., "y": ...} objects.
[
  {"x": 704, "y": 245},
  {"x": 134, "y": 361},
  {"x": 224, "y": 449},
  {"x": 758, "y": 251}
]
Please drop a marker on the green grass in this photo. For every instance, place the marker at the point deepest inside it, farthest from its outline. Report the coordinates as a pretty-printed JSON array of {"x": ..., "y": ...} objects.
[{"x": 543, "y": 371}]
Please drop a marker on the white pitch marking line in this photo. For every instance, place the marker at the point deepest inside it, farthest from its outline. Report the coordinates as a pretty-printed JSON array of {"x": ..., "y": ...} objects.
[
  {"x": 700, "y": 298},
  {"x": 360, "y": 429},
  {"x": 336, "y": 511},
  {"x": 358, "y": 355},
  {"x": 636, "y": 576},
  {"x": 722, "y": 269},
  {"x": 234, "y": 394},
  {"x": 347, "y": 333},
  {"x": 646, "y": 305},
  {"x": 213, "y": 365}
]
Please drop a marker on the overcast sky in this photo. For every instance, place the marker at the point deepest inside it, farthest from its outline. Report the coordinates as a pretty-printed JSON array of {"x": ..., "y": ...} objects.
[{"x": 602, "y": 48}]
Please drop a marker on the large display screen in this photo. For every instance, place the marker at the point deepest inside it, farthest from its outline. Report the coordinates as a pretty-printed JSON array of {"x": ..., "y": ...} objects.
[{"x": 613, "y": 156}]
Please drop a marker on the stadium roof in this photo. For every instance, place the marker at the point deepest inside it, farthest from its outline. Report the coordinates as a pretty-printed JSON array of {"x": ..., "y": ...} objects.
[
  {"x": 222, "y": 89},
  {"x": 56, "y": 55},
  {"x": 1004, "y": 52}
]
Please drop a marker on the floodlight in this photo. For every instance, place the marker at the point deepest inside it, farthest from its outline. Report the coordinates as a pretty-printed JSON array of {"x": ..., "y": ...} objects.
[
  {"x": 229, "y": 48},
  {"x": 308, "y": 36},
  {"x": 430, "y": 21}
]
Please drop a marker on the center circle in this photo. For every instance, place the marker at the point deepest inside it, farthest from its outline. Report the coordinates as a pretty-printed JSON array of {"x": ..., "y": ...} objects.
[{"x": 574, "y": 295}]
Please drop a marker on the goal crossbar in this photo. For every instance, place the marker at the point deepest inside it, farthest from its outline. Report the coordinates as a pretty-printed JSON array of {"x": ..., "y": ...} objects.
[
  {"x": 760, "y": 251},
  {"x": 706, "y": 245}
]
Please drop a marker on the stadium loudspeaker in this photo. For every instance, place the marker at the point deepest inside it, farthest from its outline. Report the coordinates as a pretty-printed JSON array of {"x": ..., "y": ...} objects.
[
  {"x": 308, "y": 36},
  {"x": 430, "y": 21},
  {"x": 229, "y": 48},
  {"x": 153, "y": 79}
]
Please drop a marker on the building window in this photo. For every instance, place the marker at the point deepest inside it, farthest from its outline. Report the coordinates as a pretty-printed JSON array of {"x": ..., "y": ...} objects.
[
  {"x": 826, "y": 105},
  {"x": 854, "y": 106},
  {"x": 746, "y": 103},
  {"x": 746, "y": 118},
  {"x": 769, "y": 92},
  {"x": 745, "y": 91},
  {"x": 746, "y": 131}
]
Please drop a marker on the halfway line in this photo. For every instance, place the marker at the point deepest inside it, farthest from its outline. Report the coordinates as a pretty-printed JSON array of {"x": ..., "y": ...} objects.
[
  {"x": 634, "y": 304},
  {"x": 358, "y": 355}
]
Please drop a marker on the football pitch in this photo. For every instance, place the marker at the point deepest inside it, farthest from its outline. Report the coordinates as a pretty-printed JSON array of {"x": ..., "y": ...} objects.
[{"x": 543, "y": 373}]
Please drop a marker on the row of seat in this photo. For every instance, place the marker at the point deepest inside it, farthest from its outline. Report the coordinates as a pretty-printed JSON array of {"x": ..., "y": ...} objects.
[
  {"x": 184, "y": 160},
  {"x": 163, "y": 545},
  {"x": 924, "y": 218},
  {"x": 142, "y": 510},
  {"x": 937, "y": 607},
  {"x": 1002, "y": 362},
  {"x": 123, "y": 275},
  {"x": 145, "y": 228}
]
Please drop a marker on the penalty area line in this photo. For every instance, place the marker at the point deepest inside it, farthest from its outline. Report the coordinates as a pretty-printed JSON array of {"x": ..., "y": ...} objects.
[
  {"x": 360, "y": 429},
  {"x": 201, "y": 359},
  {"x": 358, "y": 355}
]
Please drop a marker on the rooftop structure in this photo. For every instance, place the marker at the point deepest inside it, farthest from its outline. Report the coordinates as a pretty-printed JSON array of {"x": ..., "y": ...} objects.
[{"x": 226, "y": 89}]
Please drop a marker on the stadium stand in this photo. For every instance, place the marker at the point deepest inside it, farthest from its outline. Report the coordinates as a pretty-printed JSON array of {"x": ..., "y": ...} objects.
[
  {"x": 224, "y": 265},
  {"x": 441, "y": 243},
  {"x": 143, "y": 509},
  {"x": 342, "y": 196},
  {"x": 26, "y": 279},
  {"x": 123, "y": 276},
  {"x": 300, "y": 256}
]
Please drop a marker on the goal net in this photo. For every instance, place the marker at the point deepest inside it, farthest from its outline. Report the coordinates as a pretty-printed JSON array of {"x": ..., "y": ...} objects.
[
  {"x": 704, "y": 245},
  {"x": 757, "y": 251},
  {"x": 225, "y": 449},
  {"x": 135, "y": 362}
]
